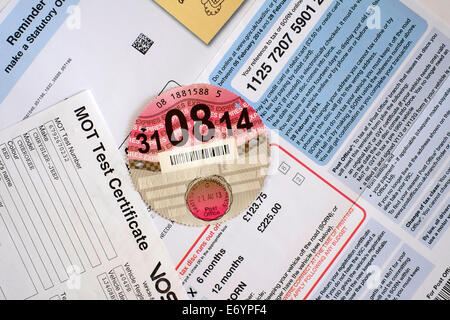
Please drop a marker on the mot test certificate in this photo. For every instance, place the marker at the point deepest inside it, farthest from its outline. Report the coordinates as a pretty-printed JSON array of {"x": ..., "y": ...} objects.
[
  {"x": 357, "y": 203},
  {"x": 71, "y": 224}
]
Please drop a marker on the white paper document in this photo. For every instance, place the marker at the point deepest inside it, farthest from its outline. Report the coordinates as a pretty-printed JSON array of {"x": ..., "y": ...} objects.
[
  {"x": 123, "y": 51},
  {"x": 72, "y": 226},
  {"x": 357, "y": 207}
]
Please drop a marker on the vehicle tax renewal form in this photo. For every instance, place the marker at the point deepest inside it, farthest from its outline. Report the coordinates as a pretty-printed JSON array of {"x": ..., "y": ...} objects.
[
  {"x": 71, "y": 224},
  {"x": 357, "y": 205}
]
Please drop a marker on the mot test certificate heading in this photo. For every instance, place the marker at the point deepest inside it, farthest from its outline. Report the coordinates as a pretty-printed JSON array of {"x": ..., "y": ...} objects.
[{"x": 71, "y": 223}]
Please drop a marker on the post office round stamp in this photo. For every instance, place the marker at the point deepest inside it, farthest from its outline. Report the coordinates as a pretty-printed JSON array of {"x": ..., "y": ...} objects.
[{"x": 209, "y": 198}]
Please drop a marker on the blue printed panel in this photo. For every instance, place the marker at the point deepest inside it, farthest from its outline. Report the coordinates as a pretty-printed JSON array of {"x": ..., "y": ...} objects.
[
  {"x": 362, "y": 272},
  {"x": 334, "y": 75},
  {"x": 24, "y": 33}
]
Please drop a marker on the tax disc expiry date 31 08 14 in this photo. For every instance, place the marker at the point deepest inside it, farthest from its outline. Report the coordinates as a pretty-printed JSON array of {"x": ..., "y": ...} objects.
[{"x": 198, "y": 154}]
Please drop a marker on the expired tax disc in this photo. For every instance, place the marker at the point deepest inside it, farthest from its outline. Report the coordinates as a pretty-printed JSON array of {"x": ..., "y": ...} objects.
[{"x": 198, "y": 154}]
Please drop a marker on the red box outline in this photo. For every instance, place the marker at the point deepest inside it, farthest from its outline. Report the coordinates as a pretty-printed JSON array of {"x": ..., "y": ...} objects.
[{"x": 327, "y": 183}]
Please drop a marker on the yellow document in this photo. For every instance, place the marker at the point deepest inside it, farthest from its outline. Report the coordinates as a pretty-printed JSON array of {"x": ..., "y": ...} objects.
[{"x": 203, "y": 17}]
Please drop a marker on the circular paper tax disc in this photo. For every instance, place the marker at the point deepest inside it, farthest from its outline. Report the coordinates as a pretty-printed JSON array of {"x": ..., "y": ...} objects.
[{"x": 198, "y": 154}]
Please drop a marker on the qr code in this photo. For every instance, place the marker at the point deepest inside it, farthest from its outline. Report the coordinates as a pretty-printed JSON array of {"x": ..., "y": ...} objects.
[{"x": 142, "y": 43}]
